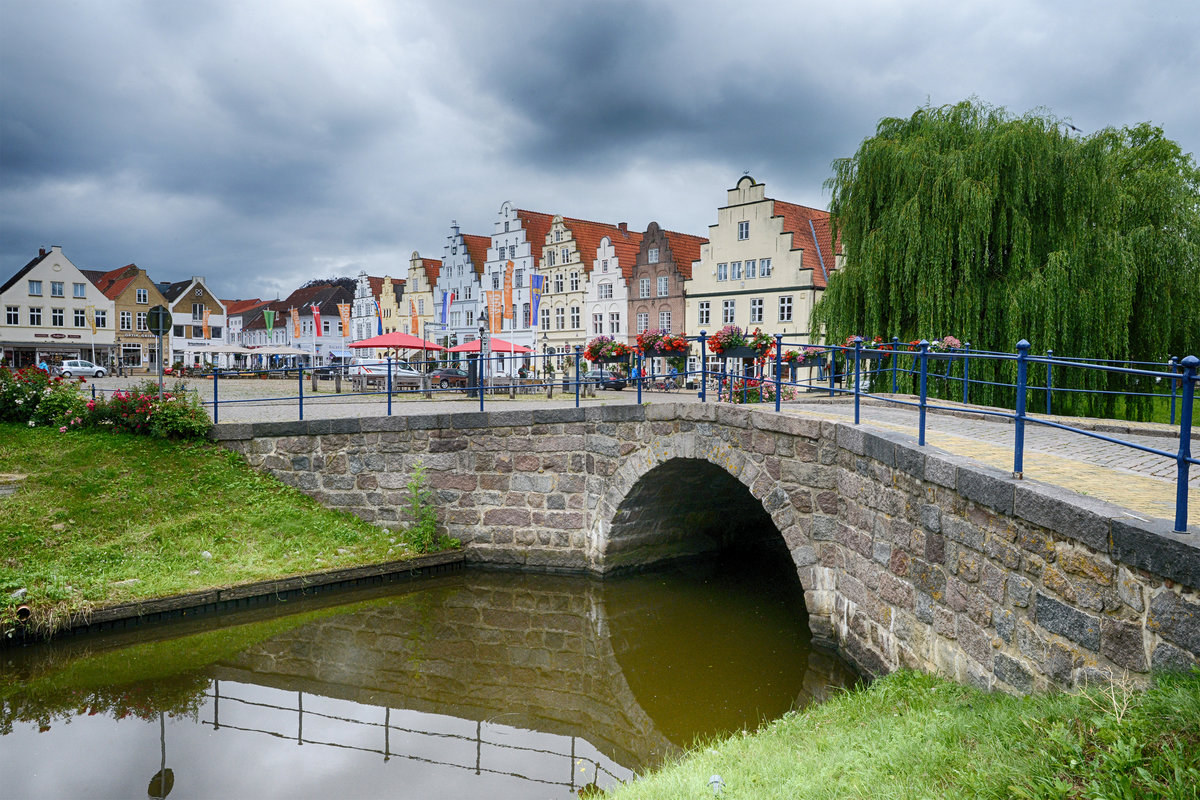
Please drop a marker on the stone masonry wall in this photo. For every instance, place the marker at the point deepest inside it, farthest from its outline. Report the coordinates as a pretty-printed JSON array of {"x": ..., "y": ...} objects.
[{"x": 909, "y": 556}]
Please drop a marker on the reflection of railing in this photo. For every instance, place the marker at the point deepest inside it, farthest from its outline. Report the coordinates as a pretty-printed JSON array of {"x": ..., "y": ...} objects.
[{"x": 573, "y": 760}]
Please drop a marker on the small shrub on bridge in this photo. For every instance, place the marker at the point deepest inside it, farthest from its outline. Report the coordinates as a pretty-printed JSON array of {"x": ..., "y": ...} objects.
[{"x": 422, "y": 535}]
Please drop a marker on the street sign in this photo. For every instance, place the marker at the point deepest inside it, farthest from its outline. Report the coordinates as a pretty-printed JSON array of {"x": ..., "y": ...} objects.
[{"x": 158, "y": 319}]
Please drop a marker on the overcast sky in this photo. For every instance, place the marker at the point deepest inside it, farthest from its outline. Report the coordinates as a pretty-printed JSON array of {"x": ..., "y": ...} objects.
[{"x": 262, "y": 143}]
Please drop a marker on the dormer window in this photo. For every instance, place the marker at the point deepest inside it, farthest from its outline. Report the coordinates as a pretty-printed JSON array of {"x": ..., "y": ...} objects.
[
  {"x": 652, "y": 255},
  {"x": 743, "y": 230},
  {"x": 558, "y": 236}
]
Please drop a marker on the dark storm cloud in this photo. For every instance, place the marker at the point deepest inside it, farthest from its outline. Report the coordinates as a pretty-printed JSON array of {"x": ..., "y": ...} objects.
[{"x": 262, "y": 144}]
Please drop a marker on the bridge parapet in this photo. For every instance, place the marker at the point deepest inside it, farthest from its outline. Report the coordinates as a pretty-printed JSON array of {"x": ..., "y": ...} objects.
[{"x": 909, "y": 556}]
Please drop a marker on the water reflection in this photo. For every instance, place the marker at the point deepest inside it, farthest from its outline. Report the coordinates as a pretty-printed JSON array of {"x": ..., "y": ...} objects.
[{"x": 511, "y": 684}]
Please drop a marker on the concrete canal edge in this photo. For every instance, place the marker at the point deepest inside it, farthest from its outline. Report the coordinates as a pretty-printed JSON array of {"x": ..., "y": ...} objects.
[{"x": 248, "y": 595}]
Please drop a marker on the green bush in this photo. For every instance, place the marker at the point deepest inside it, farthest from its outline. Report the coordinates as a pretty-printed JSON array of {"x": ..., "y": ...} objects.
[{"x": 422, "y": 536}]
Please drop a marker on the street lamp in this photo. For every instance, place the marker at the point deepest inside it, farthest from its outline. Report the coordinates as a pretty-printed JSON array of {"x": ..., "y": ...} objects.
[
  {"x": 545, "y": 351},
  {"x": 483, "y": 344}
]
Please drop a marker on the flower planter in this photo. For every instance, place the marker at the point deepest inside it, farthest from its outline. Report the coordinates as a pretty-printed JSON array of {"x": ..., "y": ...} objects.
[
  {"x": 812, "y": 361},
  {"x": 611, "y": 360},
  {"x": 740, "y": 352},
  {"x": 940, "y": 355},
  {"x": 664, "y": 353}
]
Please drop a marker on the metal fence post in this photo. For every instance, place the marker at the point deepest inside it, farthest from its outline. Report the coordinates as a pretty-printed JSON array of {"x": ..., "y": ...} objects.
[
  {"x": 1019, "y": 440},
  {"x": 923, "y": 356},
  {"x": 778, "y": 367},
  {"x": 1185, "y": 442},
  {"x": 857, "y": 374},
  {"x": 300, "y": 375},
  {"x": 389, "y": 385},
  {"x": 639, "y": 365},
  {"x": 214, "y": 396},
  {"x": 966, "y": 372},
  {"x": 1049, "y": 380},
  {"x": 895, "y": 361},
  {"x": 578, "y": 350},
  {"x": 832, "y": 368},
  {"x": 703, "y": 367},
  {"x": 1172, "y": 366}
]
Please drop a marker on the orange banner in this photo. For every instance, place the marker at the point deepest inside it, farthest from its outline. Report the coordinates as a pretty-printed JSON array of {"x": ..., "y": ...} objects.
[
  {"x": 295, "y": 323},
  {"x": 344, "y": 313},
  {"x": 495, "y": 301},
  {"x": 207, "y": 330},
  {"x": 508, "y": 289},
  {"x": 416, "y": 323}
]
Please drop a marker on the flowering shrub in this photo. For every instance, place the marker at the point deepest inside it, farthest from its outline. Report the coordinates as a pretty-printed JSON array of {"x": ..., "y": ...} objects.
[
  {"x": 753, "y": 390},
  {"x": 732, "y": 336},
  {"x": 662, "y": 341},
  {"x": 945, "y": 344},
  {"x": 791, "y": 356},
  {"x": 604, "y": 348},
  {"x": 30, "y": 395}
]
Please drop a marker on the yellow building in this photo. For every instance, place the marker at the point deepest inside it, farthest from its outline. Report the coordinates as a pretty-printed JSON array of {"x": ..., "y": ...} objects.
[{"x": 133, "y": 295}]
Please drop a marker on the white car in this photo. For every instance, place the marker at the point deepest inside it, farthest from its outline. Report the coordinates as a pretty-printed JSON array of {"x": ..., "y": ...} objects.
[
  {"x": 79, "y": 367},
  {"x": 402, "y": 372}
]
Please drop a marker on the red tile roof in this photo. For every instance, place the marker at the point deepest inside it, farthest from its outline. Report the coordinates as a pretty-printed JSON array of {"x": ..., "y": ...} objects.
[
  {"x": 477, "y": 247},
  {"x": 685, "y": 248},
  {"x": 377, "y": 286},
  {"x": 820, "y": 249},
  {"x": 536, "y": 225},
  {"x": 114, "y": 282},
  {"x": 233, "y": 307},
  {"x": 433, "y": 269}
]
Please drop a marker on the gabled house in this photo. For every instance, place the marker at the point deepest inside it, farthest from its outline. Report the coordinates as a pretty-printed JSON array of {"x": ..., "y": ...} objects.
[
  {"x": 607, "y": 301},
  {"x": 459, "y": 285},
  {"x": 198, "y": 318},
  {"x": 518, "y": 237},
  {"x": 370, "y": 303},
  {"x": 663, "y": 267},
  {"x": 417, "y": 312},
  {"x": 52, "y": 312},
  {"x": 133, "y": 294}
]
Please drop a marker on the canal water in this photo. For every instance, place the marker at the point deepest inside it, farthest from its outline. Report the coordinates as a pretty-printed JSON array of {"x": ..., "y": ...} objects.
[{"x": 477, "y": 684}]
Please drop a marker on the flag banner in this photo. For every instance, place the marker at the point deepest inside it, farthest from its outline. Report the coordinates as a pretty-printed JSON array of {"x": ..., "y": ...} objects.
[
  {"x": 295, "y": 323},
  {"x": 412, "y": 314},
  {"x": 535, "y": 291},
  {"x": 269, "y": 319},
  {"x": 495, "y": 309},
  {"x": 447, "y": 301},
  {"x": 207, "y": 329},
  {"x": 379, "y": 318},
  {"x": 316, "y": 319},
  {"x": 344, "y": 313},
  {"x": 508, "y": 291},
  {"x": 91, "y": 316}
]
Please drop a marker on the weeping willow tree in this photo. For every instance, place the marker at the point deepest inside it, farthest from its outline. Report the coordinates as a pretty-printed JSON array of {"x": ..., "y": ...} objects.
[{"x": 965, "y": 220}]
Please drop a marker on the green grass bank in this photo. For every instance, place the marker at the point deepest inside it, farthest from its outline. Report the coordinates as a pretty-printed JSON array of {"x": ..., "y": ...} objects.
[
  {"x": 103, "y": 518},
  {"x": 918, "y": 736}
]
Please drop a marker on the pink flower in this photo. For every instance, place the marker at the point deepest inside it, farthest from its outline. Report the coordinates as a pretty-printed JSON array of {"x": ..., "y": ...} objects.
[{"x": 63, "y": 429}]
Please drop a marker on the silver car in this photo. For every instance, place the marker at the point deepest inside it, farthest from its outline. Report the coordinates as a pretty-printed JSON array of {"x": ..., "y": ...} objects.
[
  {"x": 402, "y": 373},
  {"x": 77, "y": 367}
]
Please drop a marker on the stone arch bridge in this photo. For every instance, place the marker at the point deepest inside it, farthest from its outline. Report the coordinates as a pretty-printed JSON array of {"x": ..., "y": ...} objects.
[{"x": 909, "y": 556}]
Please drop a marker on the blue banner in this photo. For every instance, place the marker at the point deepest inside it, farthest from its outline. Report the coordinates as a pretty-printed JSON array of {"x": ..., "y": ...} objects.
[{"x": 535, "y": 291}]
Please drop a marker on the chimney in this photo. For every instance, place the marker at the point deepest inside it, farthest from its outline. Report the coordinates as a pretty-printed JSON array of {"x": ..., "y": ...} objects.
[
  {"x": 624, "y": 226},
  {"x": 41, "y": 252}
]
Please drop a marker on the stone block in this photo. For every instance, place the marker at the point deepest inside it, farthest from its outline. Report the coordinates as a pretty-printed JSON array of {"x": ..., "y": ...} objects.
[
  {"x": 927, "y": 578},
  {"x": 1130, "y": 590},
  {"x": 1071, "y": 623},
  {"x": 850, "y": 438},
  {"x": 880, "y": 448},
  {"x": 910, "y": 460},
  {"x": 931, "y": 518},
  {"x": 1175, "y": 619},
  {"x": 1084, "y": 519},
  {"x": 1168, "y": 658},
  {"x": 1003, "y": 621},
  {"x": 941, "y": 470},
  {"x": 1121, "y": 643},
  {"x": 1152, "y": 546},
  {"x": 987, "y": 487}
]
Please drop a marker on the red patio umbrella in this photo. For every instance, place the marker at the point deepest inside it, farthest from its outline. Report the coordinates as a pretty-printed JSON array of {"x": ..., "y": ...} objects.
[
  {"x": 495, "y": 345},
  {"x": 398, "y": 341}
]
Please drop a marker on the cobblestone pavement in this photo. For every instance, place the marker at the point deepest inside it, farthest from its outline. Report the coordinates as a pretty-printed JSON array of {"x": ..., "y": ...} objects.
[{"x": 1139, "y": 481}]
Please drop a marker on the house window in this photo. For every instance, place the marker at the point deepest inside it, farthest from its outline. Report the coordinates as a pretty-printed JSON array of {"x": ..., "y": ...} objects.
[
  {"x": 558, "y": 283},
  {"x": 643, "y": 322},
  {"x": 662, "y": 285},
  {"x": 727, "y": 311},
  {"x": 704, "y": 313},
  {"x": 496, "y": 280},
  {"x": 604, "y": 291},
  {"x": 141, "y": 322},
  {"x": 421, "y": 305},
  {"x": 12, "y": 315},
  {"x": 506, "y": 227},
  {"x": 785, "y": 309},
  {"x": 652, "y": 255},
  {"x": 526, "y": 315},
  {"x": 664, "y": 321},
  {"x": 518, "y": 278},
  {"x": 325, "y": 327},
  {"x": 574, "y": 281},
  {"x": 565, "y": 254},
  {"x": 560, "y": 319},
  {"x": 597, "y": 324},
  {"x": 756, "y": 309},
  {"x": 575, "y": 319},
  {"x": 735, "y": 270},
  {"x": 545, "y": 319},
  {"x": 751, "y": 269},
  {"x": 512, "y": 251},
  {"x": 743, "y": 230},
  {"x": 764, "y": 267},
  {"x": 35, "y": 288},
  {"x": 179, "y": 332},
  {"x": 79, "y": 290},
  {"x": 126, "y": 320},
  {"x": 550, "y": 258},
  {"x": 722, "y": 272},
  {"x": 197, "y": 311},
  {"x": 558, "y": 236},
  {"x": 604, "y": 265},
  {"x": 143, "y": 296},
  {"x": 101, "y": 318},
  {"x": 57, "y": 317},
  {"x": 644, "y": 287},
  {"x": 614, "y": 322},
  {"x": 470, "y": 318},
  {"x": 56, "y": 288},
  {"x": 35, "y": 316}
]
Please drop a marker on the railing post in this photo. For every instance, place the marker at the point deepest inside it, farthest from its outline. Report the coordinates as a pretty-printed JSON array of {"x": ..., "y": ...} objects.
[
  {"x": 966, "y": 372},
  {"x": 214, "y": 396},
  {"x": 1019, "y": 440},
  {"x": 857, "y": 374},
  {"x": 778, "y": 367},
  {"x": 923, "y": 356},
  {"x": 389, "y": 385},
  {"x": 578, "y": 350},
  {"x": 832, "y": 368},
  {"x": 1049, "y": 380},
  {"x": 895, "y": 361},
  {"x": 300, "y": 375},
  {"x": 640, "y": 366},
  {"x": 1189, "y": 364},
  {"x": 1172, "y": 366}
]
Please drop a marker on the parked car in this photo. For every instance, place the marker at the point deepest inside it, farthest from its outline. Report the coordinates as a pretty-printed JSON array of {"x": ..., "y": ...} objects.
[
  {"x": 446, "y": 377},
  {"x": 606, "y": 379},
  {"x": 402, "y": 371},
  {"x": 77, "y": 367}
]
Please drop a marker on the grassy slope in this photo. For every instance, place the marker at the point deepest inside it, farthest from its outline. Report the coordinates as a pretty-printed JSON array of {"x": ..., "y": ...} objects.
[
  {"x": 104, "y": 518},
  {"x": 917, "y": 736}
]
